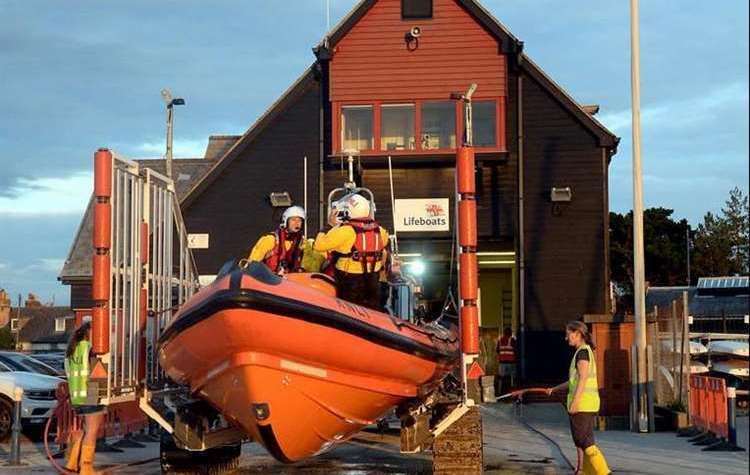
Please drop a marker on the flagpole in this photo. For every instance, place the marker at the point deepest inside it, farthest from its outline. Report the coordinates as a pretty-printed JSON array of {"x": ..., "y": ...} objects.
[{"x": 638, "y": 255}]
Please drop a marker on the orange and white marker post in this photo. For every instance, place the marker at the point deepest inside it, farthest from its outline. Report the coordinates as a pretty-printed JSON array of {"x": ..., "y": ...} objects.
[{"x": 468, "y": 274}]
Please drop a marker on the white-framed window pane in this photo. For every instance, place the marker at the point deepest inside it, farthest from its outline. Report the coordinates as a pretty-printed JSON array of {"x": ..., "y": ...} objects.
[
  {"x": 397, "y": 127},
  {"x": 438, "y": 125},
  {"x": 484, "y": 118},
  {"x": 356, "y": 128},
  {"x": 60, "y": 325}
]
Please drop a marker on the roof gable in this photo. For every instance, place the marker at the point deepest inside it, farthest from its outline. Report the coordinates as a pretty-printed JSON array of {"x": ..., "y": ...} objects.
[
  {"x": 509, "y": 45},
  {"x": 77, "y": 266}
]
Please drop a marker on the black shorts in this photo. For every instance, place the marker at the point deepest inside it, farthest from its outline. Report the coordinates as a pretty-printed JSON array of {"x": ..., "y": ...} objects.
[
  {"x": 85, "y": 410},
  {"x": 582, "y": 429}
]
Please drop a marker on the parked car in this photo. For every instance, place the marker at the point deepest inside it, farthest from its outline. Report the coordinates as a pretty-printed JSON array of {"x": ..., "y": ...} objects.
[
  {"x": 22, "y": 362},
  {"x": 38, "y": 399},
  {"x": 55, "y": 360}
]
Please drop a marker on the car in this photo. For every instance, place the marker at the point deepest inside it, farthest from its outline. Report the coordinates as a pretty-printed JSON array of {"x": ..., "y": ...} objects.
[
  {"x": 38, "y": 402},
  {"x": 22, "y": 362},
  {"x": 55, "y": 360}
]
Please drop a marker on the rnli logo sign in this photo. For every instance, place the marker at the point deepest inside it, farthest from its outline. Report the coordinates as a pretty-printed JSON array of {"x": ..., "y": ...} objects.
[{"x": 422, "y": 215}]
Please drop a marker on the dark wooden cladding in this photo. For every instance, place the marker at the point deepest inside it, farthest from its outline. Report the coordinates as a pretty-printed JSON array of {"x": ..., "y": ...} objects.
[
  {"x": 495, "y": 198},
  {"x": 372, "y": 61},
  {"x": 566, "y": 274},
  {"x": 234, "y": 210}
]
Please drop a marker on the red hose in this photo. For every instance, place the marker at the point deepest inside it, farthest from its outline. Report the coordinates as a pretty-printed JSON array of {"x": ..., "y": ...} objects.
[{"x": 60, "y": 469}]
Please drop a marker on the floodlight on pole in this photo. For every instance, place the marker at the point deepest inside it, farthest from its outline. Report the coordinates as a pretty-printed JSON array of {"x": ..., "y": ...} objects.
[{"x": 170, "y": 101}]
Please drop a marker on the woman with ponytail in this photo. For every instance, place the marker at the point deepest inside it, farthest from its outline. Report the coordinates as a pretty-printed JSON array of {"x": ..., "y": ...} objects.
[
  {"x": 583, "y": 399},
  {"x": 83, "y": 444}
]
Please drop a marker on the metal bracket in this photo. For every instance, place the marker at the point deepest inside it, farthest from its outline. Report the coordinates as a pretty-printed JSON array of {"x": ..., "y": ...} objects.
[
  {"x": 457, "y": 413},
  {"x": 145, "y": 405}
]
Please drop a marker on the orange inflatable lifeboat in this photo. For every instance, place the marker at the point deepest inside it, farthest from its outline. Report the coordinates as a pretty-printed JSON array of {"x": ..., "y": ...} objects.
[{"x": 293, "y": 366}]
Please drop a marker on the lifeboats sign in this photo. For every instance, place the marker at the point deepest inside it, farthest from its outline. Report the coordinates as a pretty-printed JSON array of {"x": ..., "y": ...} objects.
[{"x": 422, "y": 215}]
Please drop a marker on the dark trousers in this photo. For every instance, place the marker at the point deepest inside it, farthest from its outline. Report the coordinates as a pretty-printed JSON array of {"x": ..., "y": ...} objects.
[{"x": 361, "y": 289}]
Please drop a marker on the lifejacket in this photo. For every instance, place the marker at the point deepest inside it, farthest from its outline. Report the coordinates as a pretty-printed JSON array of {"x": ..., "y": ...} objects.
[
  {"x": 77, "y": 371},
  {"x": 590, "y": 397},
  {"x": 279, "y": 257},
  {"x": 368, "y": 245},
  {"x": 505, "y": 351}
]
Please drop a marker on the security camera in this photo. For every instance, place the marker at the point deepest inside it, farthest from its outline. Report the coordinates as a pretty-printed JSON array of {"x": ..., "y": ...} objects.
[{"x": 415, "y": 32}]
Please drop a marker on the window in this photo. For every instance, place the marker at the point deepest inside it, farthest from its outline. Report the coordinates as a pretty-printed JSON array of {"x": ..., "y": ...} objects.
[
  {"x": 484, "y": 120},
  {"x": 397, "y": 127},
  {"x": 438, "y": 125},
  {"x": 415, "y": 9},
  {"x": 60, "y": 324},
  {"x": 356, "y": 128},
  {"x": 14, "y": 324}
]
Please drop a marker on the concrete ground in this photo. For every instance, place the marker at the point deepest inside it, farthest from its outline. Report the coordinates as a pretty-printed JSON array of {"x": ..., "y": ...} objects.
[{"x": 511, "y": 447}]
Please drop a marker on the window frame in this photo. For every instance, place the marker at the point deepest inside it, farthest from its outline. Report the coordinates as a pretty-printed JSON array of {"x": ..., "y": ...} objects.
[
  {"x": 429, "y": 16},
  {"x": 59, "y": 320},
  {"x": 414, "y": 132},
  {"x": 377, "y": 150},
  {"x": 375, "y": 123}
]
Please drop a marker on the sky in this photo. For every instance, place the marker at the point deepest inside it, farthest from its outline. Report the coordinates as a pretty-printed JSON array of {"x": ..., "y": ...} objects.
[{"x": 79, "y": 75}]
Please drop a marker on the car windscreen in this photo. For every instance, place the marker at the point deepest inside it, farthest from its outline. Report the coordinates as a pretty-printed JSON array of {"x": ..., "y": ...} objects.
[{"x": 21, "y": 362}]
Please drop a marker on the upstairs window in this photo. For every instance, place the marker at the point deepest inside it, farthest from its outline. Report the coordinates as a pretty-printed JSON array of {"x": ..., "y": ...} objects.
[
  {"x": 416, "y": 9},
  {"x": 60, "y": 324},
  {"x": 484, "y": 118},
  {"x": 438, "y": 125},
  {"x": 397, "y": 127},
  {"x": 356, "y": 128}
]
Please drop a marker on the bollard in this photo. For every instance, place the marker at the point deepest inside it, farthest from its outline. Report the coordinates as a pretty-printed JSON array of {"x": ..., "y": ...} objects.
[
  {"x": 732, "y": 414},
  {"x": 15, "y": 442}
]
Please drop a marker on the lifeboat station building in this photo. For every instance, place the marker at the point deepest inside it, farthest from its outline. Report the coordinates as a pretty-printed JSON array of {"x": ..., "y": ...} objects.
[{"x": 380, "y": 86}]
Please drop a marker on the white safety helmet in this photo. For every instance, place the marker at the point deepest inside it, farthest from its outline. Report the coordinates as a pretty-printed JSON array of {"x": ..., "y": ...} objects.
[
  {"x": 353, "y": 206},
  {"x": 292, "y": 212}
]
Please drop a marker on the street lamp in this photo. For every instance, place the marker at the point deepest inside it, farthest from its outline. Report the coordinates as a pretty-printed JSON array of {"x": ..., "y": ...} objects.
[{"x": 166, "y": 95}]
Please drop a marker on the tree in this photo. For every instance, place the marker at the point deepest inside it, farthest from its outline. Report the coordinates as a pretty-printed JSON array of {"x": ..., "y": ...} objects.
[
  {"x": 737, "y": 215},
  {"x": 6, "y": 338},
  {"x": 721, "y": 242},
  {"x": 665, "y": 251}
]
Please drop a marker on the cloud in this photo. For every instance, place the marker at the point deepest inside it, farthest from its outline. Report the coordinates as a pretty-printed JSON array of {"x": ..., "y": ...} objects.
[
  {"x": 48, "y": 196},
  {"x": 181, "y": 148},
  {"x": 682, "y": 113}
]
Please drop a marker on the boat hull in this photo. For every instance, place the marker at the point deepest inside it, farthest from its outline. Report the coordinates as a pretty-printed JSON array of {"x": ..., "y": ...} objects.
[{"x": 299, "y": 378}]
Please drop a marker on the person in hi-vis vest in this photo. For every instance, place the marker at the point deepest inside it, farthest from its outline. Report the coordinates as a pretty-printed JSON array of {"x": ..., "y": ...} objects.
[
  {"x": 583, "y": 399},
  {"x": 82, "y": 445}
]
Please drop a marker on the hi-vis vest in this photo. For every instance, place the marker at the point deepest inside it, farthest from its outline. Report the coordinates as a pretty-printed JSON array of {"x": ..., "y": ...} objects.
[
  {"x": 505, "y": 351},
  {"x": 590, "y": 397},
  {"x": 77, "y": 369}
]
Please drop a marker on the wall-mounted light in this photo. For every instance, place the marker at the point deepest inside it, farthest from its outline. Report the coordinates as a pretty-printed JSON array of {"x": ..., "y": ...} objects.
[
  {"x": 280, "y": 199},
  {"x": 412, "y": 38},
  {"x": 561, "y": 195}
]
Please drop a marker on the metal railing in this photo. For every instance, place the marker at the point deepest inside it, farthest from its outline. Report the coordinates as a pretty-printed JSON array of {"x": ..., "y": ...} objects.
[{"x": 147, "y": 265}]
